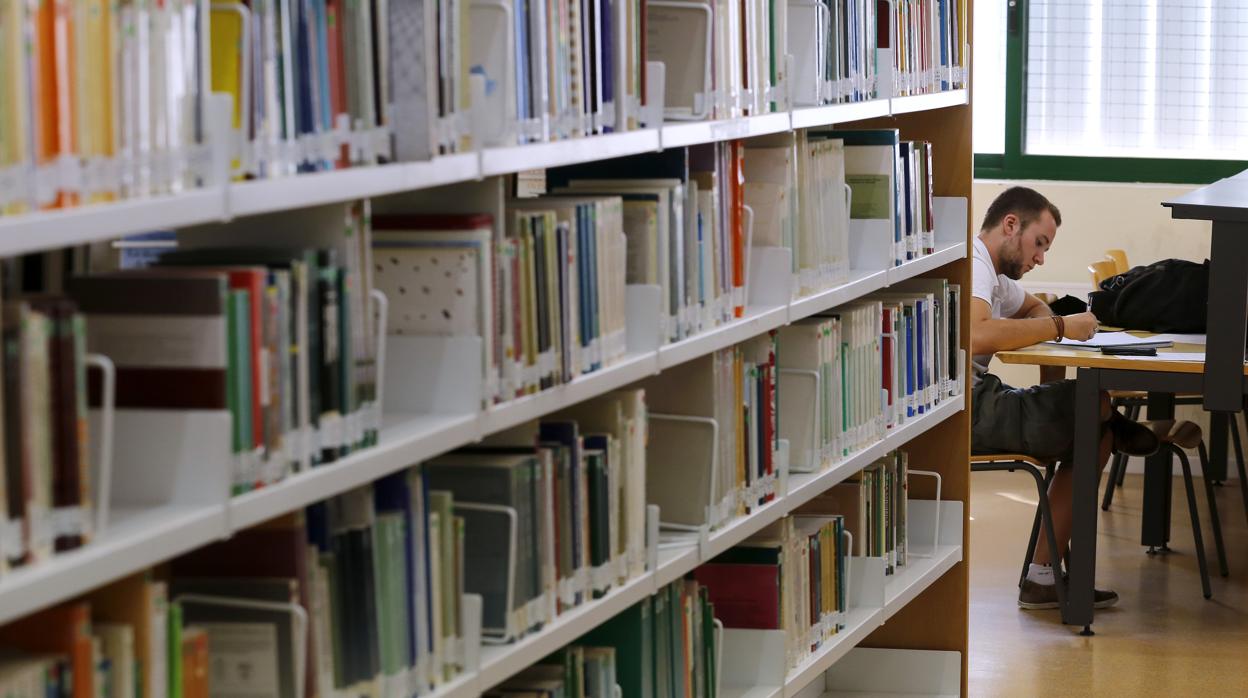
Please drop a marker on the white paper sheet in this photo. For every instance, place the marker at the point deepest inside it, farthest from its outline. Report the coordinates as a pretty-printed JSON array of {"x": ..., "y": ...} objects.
[{"x": 1111, "y": 339}]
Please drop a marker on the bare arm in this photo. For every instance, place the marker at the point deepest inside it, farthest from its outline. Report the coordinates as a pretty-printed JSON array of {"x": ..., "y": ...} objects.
[
  {"x": 989, "y": 336},
  {"x": 1032, "y": 323}
]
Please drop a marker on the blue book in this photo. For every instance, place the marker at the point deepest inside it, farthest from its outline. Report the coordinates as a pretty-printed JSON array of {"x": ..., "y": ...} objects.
[
  {"x": 911, "y": 392},
  {"x": 323, "y": 107},
  {"x": 392, "y": 494},
  {"x": 590, "y": 213},
  {"x": 567, "y": 434},
  {"x": 521, "y": 62},
  {"x": 607, "y": 56},
  {"x": 920, "y": 326},
  {"x": 943, "y": 9},
  {"x": 908, "y": 202}
]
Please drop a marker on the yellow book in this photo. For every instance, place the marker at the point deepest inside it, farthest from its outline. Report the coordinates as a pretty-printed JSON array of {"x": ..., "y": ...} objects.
[
  {"x": 227, "y": 32},
  {"x": 96, "y": 86}
]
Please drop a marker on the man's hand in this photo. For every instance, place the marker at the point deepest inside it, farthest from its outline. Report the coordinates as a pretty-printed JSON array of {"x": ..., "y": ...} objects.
[{"x": 1081, "y": 326}]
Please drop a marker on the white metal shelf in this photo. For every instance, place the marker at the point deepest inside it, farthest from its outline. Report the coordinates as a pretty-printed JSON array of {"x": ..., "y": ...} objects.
[
  {"x": 46, "y": 230},
  {"x": 320, "y": 188},
  {"x": 860, "y": 283},
  {"x": 52, "y": 229},
  {"x": 908, "y": 582},
  {"x": 500, "y": 662},
  {"x": 496, "y": 161},
  {"x": 134, "y": 540},
  {"x": 832, "y": 114},
  {"x": 755, "y": 322},
  {"x": 676, "y": 135},
  {"x": 935, "y": 100},
  {"x": 944, "y": 253},
  {"x": 859, "y": 623}
]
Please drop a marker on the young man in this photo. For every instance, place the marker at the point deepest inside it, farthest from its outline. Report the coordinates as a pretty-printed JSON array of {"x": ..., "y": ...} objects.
[{"x": 1019, "y": 228}]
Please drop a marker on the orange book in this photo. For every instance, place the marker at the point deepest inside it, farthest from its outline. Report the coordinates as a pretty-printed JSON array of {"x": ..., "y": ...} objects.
[
  {"x": 736, "y": 207},
  {"x": 65, "y": 630},
  {"x": 53, "y": 54},
  {"x": 139, "y": 602},
  {"x": 194, "y": 663}
]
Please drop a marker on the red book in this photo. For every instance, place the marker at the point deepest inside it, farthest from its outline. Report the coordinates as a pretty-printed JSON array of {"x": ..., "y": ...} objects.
[
  {"x": 736, "y": 184},
  {"x": 744, "y": 596},
  {"x": 337, "y": 67},
  {"x": 886, "y": 350},
  {"x": 195, "y": 663}
]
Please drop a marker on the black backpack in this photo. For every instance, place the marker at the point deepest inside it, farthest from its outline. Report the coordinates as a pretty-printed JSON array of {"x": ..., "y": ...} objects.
[{"x": 1166, "y": 296}]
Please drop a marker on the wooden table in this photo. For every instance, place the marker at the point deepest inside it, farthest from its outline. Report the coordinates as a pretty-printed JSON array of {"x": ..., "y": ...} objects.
[{"x": 1161, "y": 379}]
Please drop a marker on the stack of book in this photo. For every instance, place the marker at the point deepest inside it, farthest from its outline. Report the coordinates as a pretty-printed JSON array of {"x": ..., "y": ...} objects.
[
  {"x": 873, "y": 503},
  {"x": 834, "y": 49},
  {"x": 559, "y": 503},
  {"x": 791, "y": 576},
  {"x": 278, "y": 337},
  {"x": 686, "y": 227},
  {"x": 47, "y": 504},
  {"x": 921, "y": 347},
  {"x": 544, "y": 290},
  {"x": 830, "y": 402},
  {"x": 123, "y": 640},
  {"x": 929, "y": 42},
  {"x": 665, "y": 645},
  {"x": 714, "y": 430},
  {"x": 100, "y": 100}
]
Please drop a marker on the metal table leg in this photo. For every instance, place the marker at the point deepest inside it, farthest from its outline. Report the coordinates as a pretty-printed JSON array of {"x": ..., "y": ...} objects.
[
  {"x": 1219, "y": 432},
  {"x": 1227, "y": 309},
  {"x": 1078, "y": 607},
  {"x": 1155, "y": 526}
]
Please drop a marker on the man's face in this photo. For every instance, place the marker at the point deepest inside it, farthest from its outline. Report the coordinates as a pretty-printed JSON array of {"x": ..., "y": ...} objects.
[{"x": 1024, "y": 247}]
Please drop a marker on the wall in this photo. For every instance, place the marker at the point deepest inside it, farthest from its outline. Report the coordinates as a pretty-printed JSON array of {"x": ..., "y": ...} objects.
[{"x": 1095, "y": 217}]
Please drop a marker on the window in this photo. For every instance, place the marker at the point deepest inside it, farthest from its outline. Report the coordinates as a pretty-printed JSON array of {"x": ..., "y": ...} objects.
[{"x": 1116, "y": 90}]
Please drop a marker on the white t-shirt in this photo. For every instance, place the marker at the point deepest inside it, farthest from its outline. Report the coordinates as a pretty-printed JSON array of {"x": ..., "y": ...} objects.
[{"x": 1001, "y": 292}]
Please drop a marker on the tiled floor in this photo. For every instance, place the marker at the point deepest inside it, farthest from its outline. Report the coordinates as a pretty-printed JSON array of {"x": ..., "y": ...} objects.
[{"x": 1163, "y": 639}]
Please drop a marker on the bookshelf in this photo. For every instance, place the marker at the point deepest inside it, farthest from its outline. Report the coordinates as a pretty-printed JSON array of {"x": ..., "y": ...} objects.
[{"x": 892, "y": 614}]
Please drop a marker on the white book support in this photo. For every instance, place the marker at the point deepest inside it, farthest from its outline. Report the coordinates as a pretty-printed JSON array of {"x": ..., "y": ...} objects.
[
  {"x": 935, "y": 519},
  {"x": 870, "y": 244},
  {"x": 176, "y": 458},
  {"x": 643, "y": 317},
  {"x": 752, "y": 658},
  {"x": 949, "y": 215},
  {"x": 103, "y": 462},
  {"x": 434, "y": 375},
  {"x": 713, "y": 508},
  {"x": 808, "y": 461},
  {"x": 768, "y": 276},
  {"x": 869, "y": 671},
  {"x": 298, "y": 617}
]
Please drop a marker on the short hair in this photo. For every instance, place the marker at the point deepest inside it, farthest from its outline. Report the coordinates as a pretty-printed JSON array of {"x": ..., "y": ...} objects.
[{"x": 1023, "y": 202}]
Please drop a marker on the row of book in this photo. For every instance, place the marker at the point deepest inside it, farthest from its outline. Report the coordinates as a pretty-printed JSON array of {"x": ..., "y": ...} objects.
[
  {"x": 278, "y": 337},
  {"x": 562, "y": 511},
  {"x": 666, "y": 645},
  {"x": 104, "y": 101},
  {"x": 929, "y": 42},
  {"x": 46, "y": 503},
  {"x": 868, "y": 367},
  {"x": 574, "y": 672},
  {"x": 714, "y": 432},
  {"x": 794, "y": 575}
]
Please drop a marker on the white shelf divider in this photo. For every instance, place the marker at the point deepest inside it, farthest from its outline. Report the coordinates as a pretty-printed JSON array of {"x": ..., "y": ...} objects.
[{"x": 926, "y": 564}]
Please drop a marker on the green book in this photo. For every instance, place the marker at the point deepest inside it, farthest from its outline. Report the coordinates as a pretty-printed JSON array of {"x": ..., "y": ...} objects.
[
  {"x": 708, "y": 641},
  {"x": 662, "y": 647},
  {"x": 238, "y": 376},
  {"x": 631, "y": 634},
  {"x": 175, "y": 650},
  {"x": 390, "y": 583}
]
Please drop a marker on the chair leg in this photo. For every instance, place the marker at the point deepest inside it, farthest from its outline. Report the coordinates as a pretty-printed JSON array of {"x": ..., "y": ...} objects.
[
  {"x": 1213, "y": 511},
  {"x": 1133, "y": 413},
  {"x": 1111, "y": 482},
  {"x": 1239, "y": 458},
  {"x": 1191, "y": 507},
  {"x": 1031, "y": 544},
  {"x": 1046, "y": 516}
]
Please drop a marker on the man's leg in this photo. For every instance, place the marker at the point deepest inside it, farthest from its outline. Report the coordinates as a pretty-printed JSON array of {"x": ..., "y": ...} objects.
[{"x": 1060, "y": 501}]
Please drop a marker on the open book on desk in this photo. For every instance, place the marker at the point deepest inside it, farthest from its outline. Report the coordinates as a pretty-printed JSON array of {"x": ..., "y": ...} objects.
[{"x": 1112, "y": 339}]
